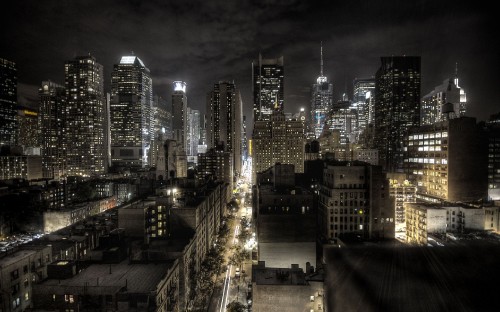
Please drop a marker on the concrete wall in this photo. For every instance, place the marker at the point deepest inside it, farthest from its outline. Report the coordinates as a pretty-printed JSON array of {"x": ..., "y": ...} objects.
[{"x": 283, "y": 255}]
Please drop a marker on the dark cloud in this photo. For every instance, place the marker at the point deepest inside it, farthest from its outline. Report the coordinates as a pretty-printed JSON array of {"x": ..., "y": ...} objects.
[{"x": 203, "y": 42}]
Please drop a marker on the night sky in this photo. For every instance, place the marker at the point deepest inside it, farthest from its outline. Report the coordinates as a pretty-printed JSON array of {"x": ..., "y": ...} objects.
[{"x": 202, "y": 42}]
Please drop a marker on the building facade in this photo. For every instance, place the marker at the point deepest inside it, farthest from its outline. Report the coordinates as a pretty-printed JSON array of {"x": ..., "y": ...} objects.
[
  {"x": 131, "y": 110},
  {"x": 447, "y": 161},
  {"x": 267, "y": 87},
  {"x": 179, "y": 114},
  {"x": 364, "y": 91},
  {"x": 397, "y": 107},
  {"x": 8, "y": 102},
  {"x": 84, "y": 132},
  {"x": 52, "y": 118},
  {"x": 224, "y": 121},
  {"x": 278, "y": 140}
]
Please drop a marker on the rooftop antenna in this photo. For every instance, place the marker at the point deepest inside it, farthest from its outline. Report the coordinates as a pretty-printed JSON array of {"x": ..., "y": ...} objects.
[
  {"x": 321, "y": 71},
  {"x": 456, "y": 74}
]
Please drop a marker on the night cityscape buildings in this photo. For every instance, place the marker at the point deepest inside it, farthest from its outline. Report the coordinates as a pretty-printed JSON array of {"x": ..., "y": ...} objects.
[
  {"x": 8, "y": 100},
  {"x": 131, "y": 113},
  {"x": 114, "y": 197},
  {"x": 267, "y": 87},
  {"x": 397, "y": 107},
  {"x": 84, "y": 141},
  {"x": 321, "y": 101}
]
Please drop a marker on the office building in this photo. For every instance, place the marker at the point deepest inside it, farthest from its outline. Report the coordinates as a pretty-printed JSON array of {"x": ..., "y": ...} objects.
[
  {"x": 162, "y": 127},
  {"x": 28, "y": 131},
  {"x": 364, "y": 91},
  {"x": 224, "y": 121},
  {"x": 84, "y": 137},
  {"x": 354, "y": 199},
  {"x": 278, "y": 141},
  {"x": 193, "y": 131},
  {"x": 8, "y": 102},
  {"x": 447, "y": 100},
  {"x": 493, "y": 131},
  {"x": 397, "y": 107},
  {"x": 448, "y": 160},
  {"x": 131, "y": 113},
  {"x": 179, "y": 114},
  {"x": 52, "y": 116},
  {"x": 402, "y": 191},
  {"x": 321, "y": 101},
  {"x": 267, "y": 87}
]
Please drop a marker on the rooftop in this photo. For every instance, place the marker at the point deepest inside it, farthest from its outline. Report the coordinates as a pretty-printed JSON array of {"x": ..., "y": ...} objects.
[{"x": 278, "y": 276}]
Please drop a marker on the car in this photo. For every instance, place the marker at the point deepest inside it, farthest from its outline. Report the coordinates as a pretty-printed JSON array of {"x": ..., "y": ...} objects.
[{"x": 237, "y": 274}]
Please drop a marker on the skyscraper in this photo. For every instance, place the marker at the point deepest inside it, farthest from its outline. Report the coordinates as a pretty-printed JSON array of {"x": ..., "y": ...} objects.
[
  {"x": 397, "y": 107},
  {"x": 364, "y": 90},
  {"x": 84, "y": 117},
  {"x": 162, "y": 127},
  {"x": 131, "y": 112},
  {"x": 278, "y": 140},
  {"x": 321, "y": 101},
  {"x": 267, "y": 87},
  {"x": 224, "y": 120},
  {"x": 193, "y": 131},
  {"x": 52, "y": 108},
  {"x": 179, "y": 113},
  {"x": 432, "y": 110},
  {"x": 8, "y": 102}
]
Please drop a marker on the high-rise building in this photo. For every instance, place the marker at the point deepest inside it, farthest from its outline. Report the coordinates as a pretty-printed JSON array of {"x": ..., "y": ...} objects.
[
  {"x": 131, "y": 111},
  {"x": 202, "y": 145},
  {"x": 493, "y": 128},
  {"x": 162, "y": 126},
  {"x": 364, "y": 90},
  {"x": 84, "y": 136},
  {"x": 278, "y": 141},
  {"x": 52, "y": 117},
  {"x": 8, "y": 102},
  {"x": 193, "y": 131},
  {"x": 321, "y": 101},
  {"x": 447, "y": 100},
  {"x": 397, "y": 107},
  {"x": 343, "y": 117},
  {"x": 224, "y": 117},
  {"x": 354, "y": 199},
  {"x": 244, "y": 141},
  {"x": 179, "y": 113},
  {"x": 447, "y": 161},
  {"x": 28, "y": 130},
  {"x": 267, "y": 87}
]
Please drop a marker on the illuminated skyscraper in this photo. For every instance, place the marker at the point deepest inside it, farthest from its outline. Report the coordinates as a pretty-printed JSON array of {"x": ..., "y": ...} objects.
[
  {"x": 193, "y": 131},
  {"x": 321, "y": 101},
  {"x": 397, "y": 107},
  {"x": 52, "y": 106},
  {"x": 131, "y": 112},
  {"x": 224, "y": 120},
  {"x": 432, "y": 110},
  {"x": 8, "y": 102},
  {"x": 84, "y": 117},
  {"x": 364, "y": 91},
  {"x": 179, "y": 113},
  {"x": 268, "y": 87}
]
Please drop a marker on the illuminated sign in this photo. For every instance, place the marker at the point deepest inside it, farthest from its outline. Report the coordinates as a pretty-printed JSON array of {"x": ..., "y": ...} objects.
[
  {"x": 30, "y": 113},
  {"x": 180, "y": 86},
  {"x": 127, "y": 60}
]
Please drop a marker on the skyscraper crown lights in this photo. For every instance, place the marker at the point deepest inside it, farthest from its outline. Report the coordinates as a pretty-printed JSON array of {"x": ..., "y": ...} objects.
[
  {"x": 130, "y": 60},
  {"x": 180, "y": 86}
]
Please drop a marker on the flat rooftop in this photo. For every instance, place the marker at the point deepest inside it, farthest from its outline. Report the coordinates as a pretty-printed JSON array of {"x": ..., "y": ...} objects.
[
  {"x": 458, "y": 278},
  {"x": 139, "y": 278},
  {"x": 278, "y": 276}
]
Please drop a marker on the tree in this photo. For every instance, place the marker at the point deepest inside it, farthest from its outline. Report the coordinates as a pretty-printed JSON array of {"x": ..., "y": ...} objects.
[{"x": 236, "y": 306}]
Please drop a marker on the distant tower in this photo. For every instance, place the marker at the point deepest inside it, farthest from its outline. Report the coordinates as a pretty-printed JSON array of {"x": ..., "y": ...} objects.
[
  {"x": 52, "y": 105},
  {"x": 267, "y": 87},
  {"x": 364, "y": 90},
  {"x": 8, "y": 102},
  {"x": 449, "y": 93},
  {"x": 321, "y": 100},
  {"x": 397, "y": 109},
  {"x": 224, "y": 117},
  {"x": 131, "y": 112},
  {"x": 179, "y": 113},
  {"x": 85, "y": 117}
]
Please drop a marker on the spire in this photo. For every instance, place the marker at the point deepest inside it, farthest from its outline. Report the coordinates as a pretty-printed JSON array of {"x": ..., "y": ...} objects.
[
  {"x": 321, "y": 72},
  {"x": 456, "y": 69}
]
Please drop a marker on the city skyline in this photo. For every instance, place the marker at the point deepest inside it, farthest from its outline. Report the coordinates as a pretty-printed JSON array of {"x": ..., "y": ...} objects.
[{"x": 169, "y": 40}]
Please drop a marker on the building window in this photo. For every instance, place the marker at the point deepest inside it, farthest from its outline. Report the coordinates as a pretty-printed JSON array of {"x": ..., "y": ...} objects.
[
  {"x": 14, "y": 274},
  {"x": 27, "y": 296}
]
